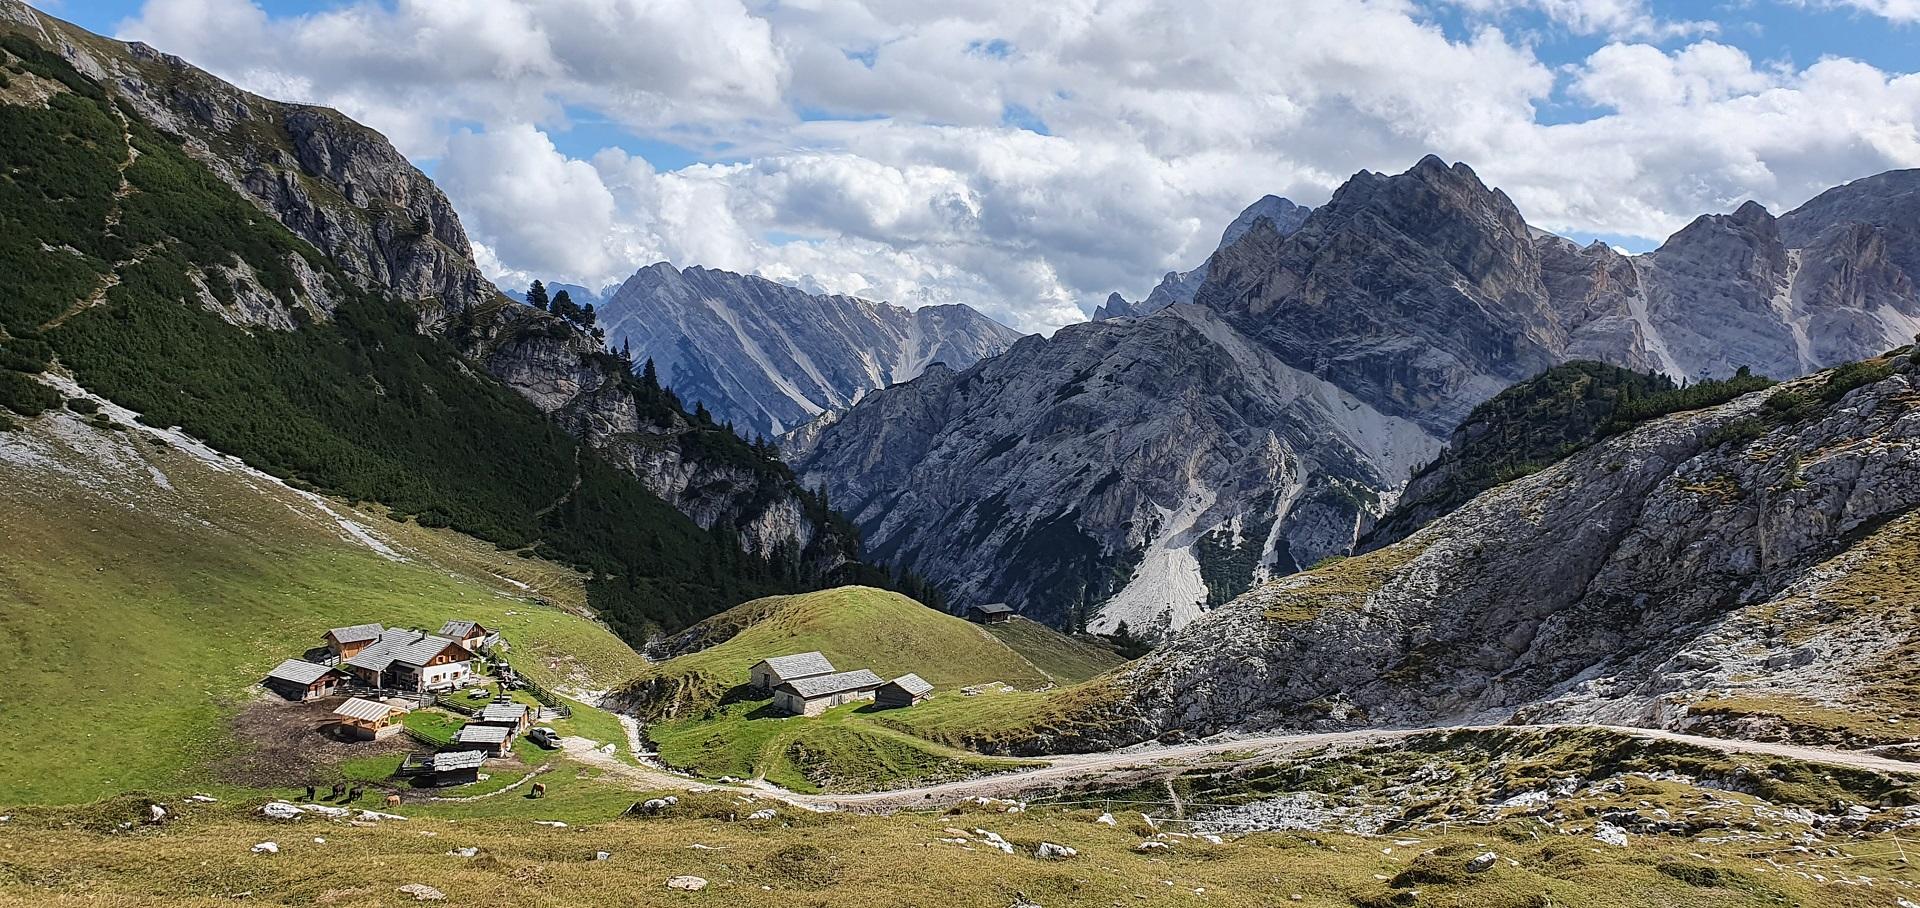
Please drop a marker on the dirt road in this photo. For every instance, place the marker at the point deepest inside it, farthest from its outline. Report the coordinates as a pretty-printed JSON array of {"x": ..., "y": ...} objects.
[{"x": 1067, "y": 768}]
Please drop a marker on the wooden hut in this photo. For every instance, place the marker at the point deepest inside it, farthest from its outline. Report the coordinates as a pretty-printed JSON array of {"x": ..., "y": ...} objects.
[
  {"x": 343, "y": 642},
  {"x": 370, "y": 720},
  {"x": 471, "y": 634},
  {"x": 300, "y": 681},
  {"x": 493, "y": 740},
  {"x": 991, "y": 613},
  {"x": 514, "y": 716},
  {"x": 905, "y": 690},
  {"x": 454, "y": 767}
]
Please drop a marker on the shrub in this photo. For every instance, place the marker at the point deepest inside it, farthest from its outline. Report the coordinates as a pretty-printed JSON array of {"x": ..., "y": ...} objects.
[
  {"x": 83, "y": 405},
  {"x": 21, "y": 394},
  {"x": 1849, "y": 376}
]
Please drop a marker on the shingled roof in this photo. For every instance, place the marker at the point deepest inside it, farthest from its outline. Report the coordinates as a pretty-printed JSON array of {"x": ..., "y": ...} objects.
[
  {"x": 458, "y": 759},
  {"x": 299, "y": 671},
  {"x": 367, "y": 710},
  {"x": 799, "y": 665},
  {"x": 458, "y": 630},
  {"x": 356, "y": 633},
  {"x": 994, "y": 608},
  {"x": 502, "y": 712},
  {"x": 828, "y": 685},
  {"x": 913, "y": 684},
  {"x": 482, "y": 734},
  {"x": 416, "y": 648}
]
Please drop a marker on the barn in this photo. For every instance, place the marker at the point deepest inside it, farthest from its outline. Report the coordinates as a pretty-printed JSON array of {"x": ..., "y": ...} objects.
[
  {"x": 991, "y": 613},
  {"x": 300, "y": 681},
  {"x": 815, "y": 695},
  {"x": 768, "y": 674},
  {"x": 369, "y": 720},
  {"x": 454, "y": 767},
  {"x": 411, "y": 660},
  {"x": 905, "y": 690},
  {"x": 471, "y": 634}
]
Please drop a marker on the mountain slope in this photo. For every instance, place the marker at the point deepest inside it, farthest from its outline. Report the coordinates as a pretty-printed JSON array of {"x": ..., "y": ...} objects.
[
  {"x": 147, "y": 582},
  {"x": 138, "y": 265},
  {"x": 1409, "y": 299},
  {"x": 1748, "y": 566},
  {"x": 769, "y": 357}
]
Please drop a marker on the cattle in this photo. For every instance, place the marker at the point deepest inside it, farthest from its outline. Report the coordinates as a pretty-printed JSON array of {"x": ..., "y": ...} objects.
[{"x": 393, "y": 800}]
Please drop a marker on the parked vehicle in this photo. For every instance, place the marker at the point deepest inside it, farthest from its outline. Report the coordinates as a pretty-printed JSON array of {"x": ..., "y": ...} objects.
[{"x": 545, "y": 737}]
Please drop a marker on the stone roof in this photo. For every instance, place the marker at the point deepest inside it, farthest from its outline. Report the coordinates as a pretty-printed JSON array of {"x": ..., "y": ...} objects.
[
  {"x": 367, "y": 710},
  {"x": 356, "y": 633},
  {"x": 458, "y": 759},
  {"x": 828, "y": 685},
  {"x": 482, "y": 734},
  {"x": 460, "y": 629},
  {"x": 415, "y": 648},
  {"x": 299, "y": 671},
  {"x": 994, "y": 608},
  {"x": 913, "y": 684},
  {"x": 798, "y": 665},
  {"x": 503, "y": 712}
]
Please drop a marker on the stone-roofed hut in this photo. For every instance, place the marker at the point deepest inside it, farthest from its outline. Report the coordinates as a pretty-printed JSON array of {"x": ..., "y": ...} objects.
[
  {"x": 815, "y": 695},
  {"x": 768, "y": 674},
  {"x": 300, "y": 681},
  {"x": 905, "y": 690}
]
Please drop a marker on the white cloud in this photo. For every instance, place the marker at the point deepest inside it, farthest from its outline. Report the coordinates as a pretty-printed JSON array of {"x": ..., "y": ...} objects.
[
  {"x": 1896, "y": 10},
  {"x": 1161, "y": 119}
]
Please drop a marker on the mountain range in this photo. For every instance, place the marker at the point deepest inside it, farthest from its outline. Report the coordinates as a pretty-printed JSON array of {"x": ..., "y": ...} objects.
[
  {"x": 767, "y": 357},
  {"x": 1144, "y": 469}
]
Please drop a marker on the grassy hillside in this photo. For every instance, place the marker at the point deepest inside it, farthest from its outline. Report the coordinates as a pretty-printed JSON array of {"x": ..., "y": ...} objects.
[
  {"x": 145, "y": 587},
  {"x": 707, "y": 724}
]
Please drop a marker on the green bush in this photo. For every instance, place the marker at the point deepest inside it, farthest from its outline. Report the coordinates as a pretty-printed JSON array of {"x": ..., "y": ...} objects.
[
  {"x": 25, "y": 396},
  {"x": 83, "y": 405},
  {"x": 1853, "y": 375}
]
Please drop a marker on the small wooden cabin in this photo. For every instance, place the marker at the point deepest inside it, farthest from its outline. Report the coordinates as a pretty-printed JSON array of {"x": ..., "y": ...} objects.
[
  {"x": 493, "y": 740},
  {"x": 991, "y": 613},
  {"x": 343, "y": 642},
  {"x": 768, "y": 674},
  {"x": 411, "y": 660},
  {"x": 470, "y": 634},
  {"x": 905, "y": 690},
  {"x": 514, "y": 716},
  {"x": 813, "y": 696},
  {"x": 370, "y": 720},
  {"x": 454, "y": 767},
  {"x": 300, "y": 681}
]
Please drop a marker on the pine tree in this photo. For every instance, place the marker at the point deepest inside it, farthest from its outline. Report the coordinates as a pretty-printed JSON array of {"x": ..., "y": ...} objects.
[
  {"x": 626, "y": 350},
  {"x": 563, "y": 306},
  {"x": 537, "y": 296},
  {"x": 587, "y": 315},
  {"x": 649, "y": 377}
]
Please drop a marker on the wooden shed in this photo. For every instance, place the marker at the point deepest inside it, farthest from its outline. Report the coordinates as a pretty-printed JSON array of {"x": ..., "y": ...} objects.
[
  {"x": 513, "y": 716},
  {"x": 343, "y": 642},
  {"x": 493, "y": 740},
  {"x": 768, "y": 674},
  {"x": 370, "y": 720},
  {"x": 905, "y": 690},
  {"x": 471, "y": 634},
  {"x": 454, "y": 767},
  {"x": 991, "y": 613},
  {"x": 813, "y": 696},
  {"x": 300, "y": 681}
]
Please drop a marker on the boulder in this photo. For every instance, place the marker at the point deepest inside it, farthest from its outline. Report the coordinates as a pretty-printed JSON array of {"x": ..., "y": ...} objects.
[
  {"x": 267, "y": 848},
  {"x": 422, "y": 892},
  {"x": 280, "y": 810},
  {"x": 687, "y": 883},
  {"x": 1483, "y": 863},
  {"x": 1053, "y": 852}
]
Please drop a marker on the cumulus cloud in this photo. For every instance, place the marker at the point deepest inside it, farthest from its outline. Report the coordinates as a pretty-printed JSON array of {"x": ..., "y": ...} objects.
[{"x": 1024, "y": 157}]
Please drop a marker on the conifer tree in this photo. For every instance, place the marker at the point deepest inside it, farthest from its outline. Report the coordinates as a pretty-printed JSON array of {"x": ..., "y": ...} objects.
[{"x": 537, "y": 296}]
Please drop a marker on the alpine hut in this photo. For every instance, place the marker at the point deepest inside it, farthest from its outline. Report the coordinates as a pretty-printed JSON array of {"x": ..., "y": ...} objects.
[
  {"x": 370, "y": 720},
  {"x": 411, "y": 660},
  {"x": 515, "y": 717},
  {"x": 991, "y": 613},
  {"x": 343, "y": 642},
  {"x": 300, "y": 680},
  {"x": 768, "y": 674},
  {"x": 493, "y": 740}
]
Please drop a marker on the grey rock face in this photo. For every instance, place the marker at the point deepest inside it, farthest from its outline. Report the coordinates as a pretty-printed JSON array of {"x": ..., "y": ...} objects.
[
  {"x": 1095, "y": 476},
  {"x": 1415, "y": 297},
  {"x": 770, "y": 357},
  {"x": 1624, "y": 584}
]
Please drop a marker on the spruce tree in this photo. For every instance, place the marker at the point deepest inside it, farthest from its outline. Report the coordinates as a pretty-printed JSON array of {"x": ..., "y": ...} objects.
[
  {"x": 563, "y": 306},
  {"x": 537, "y": 296}
]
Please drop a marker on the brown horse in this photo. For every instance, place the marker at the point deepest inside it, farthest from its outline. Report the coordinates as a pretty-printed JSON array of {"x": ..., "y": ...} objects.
[
  {"x": 539, "y": 790},
  {"x": 393, "y": 800}
]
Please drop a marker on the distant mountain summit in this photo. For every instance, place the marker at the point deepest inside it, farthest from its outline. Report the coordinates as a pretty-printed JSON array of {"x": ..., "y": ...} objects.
[
  {"x": 769, "y": 357},
  {"x": 1179, "y": 286}
]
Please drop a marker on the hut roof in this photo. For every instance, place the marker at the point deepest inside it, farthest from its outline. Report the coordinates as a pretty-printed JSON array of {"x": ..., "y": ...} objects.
[
  {"x": 299, "y": 671},
  {"x": 828, "y": 685},
  {"x": 458, "y": 759},
  {"x": 482, "y": 734},
  {"x": 356, "y": 633},
  {"x": 503, "y": 712},
  {"x": 799, "y": 665},
  {"x": 367, "y": 710},
  {"x": 460, "y": 630},
  {"x": 994, "y": 608},
  {"x": 913, "y": 684}
]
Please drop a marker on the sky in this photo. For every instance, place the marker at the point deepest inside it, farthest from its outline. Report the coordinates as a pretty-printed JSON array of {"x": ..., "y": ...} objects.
[{"x": 1028, "y": 158}]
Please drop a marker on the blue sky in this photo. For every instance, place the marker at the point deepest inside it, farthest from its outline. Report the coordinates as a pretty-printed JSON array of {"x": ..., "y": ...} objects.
[{"x": 1028, "y": 159}]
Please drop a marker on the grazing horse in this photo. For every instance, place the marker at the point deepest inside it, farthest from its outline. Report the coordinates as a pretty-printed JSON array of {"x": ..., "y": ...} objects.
[
  {"x": 539, "y": 790},
  {"x": 393, "y": 800},
  {"x": 339, "y": 789}
]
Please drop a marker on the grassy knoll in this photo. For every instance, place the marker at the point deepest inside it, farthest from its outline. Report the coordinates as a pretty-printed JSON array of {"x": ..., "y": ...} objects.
[
  {"x": 856, "y": 627},
  {"x": 143, "y": 591},
  {"x": 68, "y": 857},
  {"x": 1067, "y": 660}
]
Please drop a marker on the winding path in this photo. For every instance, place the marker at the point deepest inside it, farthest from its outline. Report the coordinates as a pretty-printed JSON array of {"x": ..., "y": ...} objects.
[{"x": 1066, "y": 768}]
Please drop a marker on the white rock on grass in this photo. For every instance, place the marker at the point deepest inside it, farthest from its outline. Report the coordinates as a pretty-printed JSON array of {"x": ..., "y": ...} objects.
[
  {"x": 267, "y": 848},
  {"x": 994, "y": 840},
  {"x": 687, "y": 883},
  {"x": 765, "y": 813},
  {"x": 1609, "y": 834},
  {"x": 280, "y": 810},
  {"x": 422, "y": 892},
  {"x": 1152, "y": 845},
  {"x": 554, "y": 823},
  {"x": 1054, "y": 852},
  {"x": 467, "y": 852},
  {"x": 1483, "y": 863},
  {"x": 1106, "y": 819}
]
